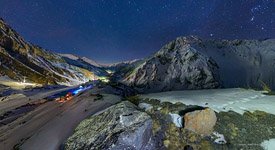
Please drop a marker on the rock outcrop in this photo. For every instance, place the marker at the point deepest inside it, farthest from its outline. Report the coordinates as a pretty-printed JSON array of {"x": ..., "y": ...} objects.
[{"x": 121, "y": 126}]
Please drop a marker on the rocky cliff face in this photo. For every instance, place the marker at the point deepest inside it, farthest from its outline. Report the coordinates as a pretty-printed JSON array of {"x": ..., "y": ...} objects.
[
  {"x": 85, "y": 63},
  {"x": 193, "y": 63},
  {"x": 20, "y": 59},
  {"x": 176, "y": 66}
]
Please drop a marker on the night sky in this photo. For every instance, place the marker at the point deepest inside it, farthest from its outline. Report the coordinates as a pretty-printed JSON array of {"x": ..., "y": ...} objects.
[{"x": 117, "y": 30}]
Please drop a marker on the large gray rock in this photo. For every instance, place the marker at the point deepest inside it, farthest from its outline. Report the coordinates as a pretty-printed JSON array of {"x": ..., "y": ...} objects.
[{"x": 121, "y": 126}]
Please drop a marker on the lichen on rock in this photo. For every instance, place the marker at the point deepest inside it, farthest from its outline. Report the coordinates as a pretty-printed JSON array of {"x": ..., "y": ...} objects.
[
  {"x": 118, "y": 127},
  {"x": 200, "y": 121}
]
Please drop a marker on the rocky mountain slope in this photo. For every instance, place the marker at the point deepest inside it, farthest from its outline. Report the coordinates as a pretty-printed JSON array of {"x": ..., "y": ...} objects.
[
  {"x": 122, "y": 69},
  {"x": 85, "y": 63},
  {"x": 20, "y": 59},
  {"x": 194, "y": 63}
]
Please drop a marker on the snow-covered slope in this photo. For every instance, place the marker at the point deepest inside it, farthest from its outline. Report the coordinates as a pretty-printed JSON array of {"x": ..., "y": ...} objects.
[
  {"x": 91, "y": 62},
  {"x": 120, "y": 64},
  {"x": 194, "y": 63},
  {"x": 231, "y": 99},
  {"x": 122, "y": 69},
  {"x": 85, "y": 63},
  {"x": 70, "y": 56},
  {"x": 20, "y": 59},
  {"x": 84, "y": 59},
  {"x": 242, "y": 63}
]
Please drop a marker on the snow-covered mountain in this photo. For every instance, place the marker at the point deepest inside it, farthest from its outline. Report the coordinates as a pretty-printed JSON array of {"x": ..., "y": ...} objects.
[
  {"x": 122, "y": 69},
  {"x": 84, "y": 59},
  {"x": 185, "y": 63},
  {"x": 20, "y": 59},
  {"x": 85, "y": 63},
  {"x": 194, "y": 63}
]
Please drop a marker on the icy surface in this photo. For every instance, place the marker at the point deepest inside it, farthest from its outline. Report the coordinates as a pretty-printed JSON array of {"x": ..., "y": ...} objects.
[
  {"x": 145, "y": 106},
  {"x": 269, "y": 144},
  {"x": 177, "y": 120},
  {"x": 235, "y": 99},
  {"x": 219, "y": 138},
  {"x": 71, "y": 56}
]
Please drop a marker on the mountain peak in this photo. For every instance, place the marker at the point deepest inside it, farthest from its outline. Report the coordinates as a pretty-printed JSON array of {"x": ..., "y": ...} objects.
[
  {"x": 71, "y": 56},
  {"x": 188, "y": 39}
]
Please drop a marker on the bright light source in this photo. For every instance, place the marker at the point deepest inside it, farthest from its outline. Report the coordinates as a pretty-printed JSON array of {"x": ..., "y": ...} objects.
[{"x": 104, "y": 79}]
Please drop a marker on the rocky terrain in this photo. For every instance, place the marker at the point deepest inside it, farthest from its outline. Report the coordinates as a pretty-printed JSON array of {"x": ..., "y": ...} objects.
[
  {"x": 21, "y": 60},
  {"x": 192, "y": 119},
  {"x": 152, "y": 124},
  {"x": 85, "y": 63},
  {"x": 194, "y": 63}
]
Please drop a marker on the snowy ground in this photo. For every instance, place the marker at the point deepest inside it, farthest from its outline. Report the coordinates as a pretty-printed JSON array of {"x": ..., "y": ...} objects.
[
  {"x": 269, "y": 144},
  {"x": 15, "y": 84},
  {"x": 50, "y": 123},
  {"x": 235, "y": 99}
]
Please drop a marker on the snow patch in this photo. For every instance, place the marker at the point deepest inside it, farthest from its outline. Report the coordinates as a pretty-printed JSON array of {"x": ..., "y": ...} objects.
[
  {"x": 70, "y": 56},
  {"x": 145, "y": 106},
  {"x": 235, "y": 99},
  {"x": 176, "y": 119},
  {"x": 219, "y": 138},
  {"x": 268, "y": 144}
]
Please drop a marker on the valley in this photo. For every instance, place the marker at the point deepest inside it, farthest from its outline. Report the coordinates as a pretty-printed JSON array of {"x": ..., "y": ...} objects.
[{"x": 193, "y": 93}]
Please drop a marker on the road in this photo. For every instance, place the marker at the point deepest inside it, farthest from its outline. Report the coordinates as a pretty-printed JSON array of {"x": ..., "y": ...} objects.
[{"x": 51, "y": 122}]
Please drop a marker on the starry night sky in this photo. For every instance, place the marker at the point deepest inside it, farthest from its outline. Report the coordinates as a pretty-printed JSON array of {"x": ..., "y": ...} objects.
[{"x": 117, "y": 30}]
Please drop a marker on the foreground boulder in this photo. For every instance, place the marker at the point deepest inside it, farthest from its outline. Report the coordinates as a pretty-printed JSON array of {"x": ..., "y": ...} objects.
[
  {"x": 121, "y": 126},
  {"x": 200, "y": 121}
]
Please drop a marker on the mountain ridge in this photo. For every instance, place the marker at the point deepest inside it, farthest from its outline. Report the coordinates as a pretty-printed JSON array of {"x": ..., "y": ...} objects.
[
  {"x": 239, "y": 63},
  {"x": 20, "y": 59}
]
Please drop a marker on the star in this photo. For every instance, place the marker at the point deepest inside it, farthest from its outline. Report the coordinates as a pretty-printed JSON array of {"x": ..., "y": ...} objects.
[{"x": 252, "y": 18}]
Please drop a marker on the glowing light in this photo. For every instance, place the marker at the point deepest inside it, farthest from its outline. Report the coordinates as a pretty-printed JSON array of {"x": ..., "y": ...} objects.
[
  {"x": 77, "y": 91},
  {"x": 104, "y": 79},
  {"x": 81, "y": 88}
]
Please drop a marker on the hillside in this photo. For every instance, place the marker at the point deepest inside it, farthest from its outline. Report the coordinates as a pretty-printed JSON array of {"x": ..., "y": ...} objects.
[
  {"x": 20, "y": 59},
  {"x": 194, "y": 63}
]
